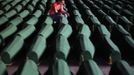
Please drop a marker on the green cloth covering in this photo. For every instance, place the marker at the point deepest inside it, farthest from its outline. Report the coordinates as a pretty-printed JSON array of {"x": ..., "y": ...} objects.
[
  {"x": 89, "y": 67},
  {"x": 3, "y": 70},
  {"x": 28, "y": 68}
]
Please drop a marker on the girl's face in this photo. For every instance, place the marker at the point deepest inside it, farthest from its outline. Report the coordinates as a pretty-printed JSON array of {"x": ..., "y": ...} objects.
[{"x": 62, "y": 1}]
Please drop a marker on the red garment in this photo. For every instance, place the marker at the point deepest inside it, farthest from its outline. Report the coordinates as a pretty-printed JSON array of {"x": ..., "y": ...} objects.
[{"x": 56, "y": 7}]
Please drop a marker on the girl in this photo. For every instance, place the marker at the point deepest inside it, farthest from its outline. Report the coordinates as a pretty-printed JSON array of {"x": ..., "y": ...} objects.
[{"x": 56, "y": 11}]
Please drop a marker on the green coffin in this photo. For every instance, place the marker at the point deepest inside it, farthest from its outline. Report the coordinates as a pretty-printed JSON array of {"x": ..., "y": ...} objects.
[
  {"x": 46, "y": 31},
  {"x": 76, "y": 13},
  {"x": 65, "y": 30},
  {"x": 37, "y": 13},
  {"x": 130, "y": 41},
  {"x": 7, "y": 7},
  {"x": 24, "y": 13},
  {"x": 16, "y": 21},
  {"x": 52, "y": 1},
  {"x": 34, "y": 2},
  {"x": 8, "y": 31},
  {"x": 18, "y": 8},
  {"x": 10, "y": 13},
  {"x": 103, "y": 31},
  {"x": 12, "y": 49},
  {"x": 122, "y": 30},
  {"x": 43, "y": 2},
  {"x": 84, "y": 30},
  {"x": 42, "y": 8},
  {"x": 48, "y": 20},
  {"x": 3, "y": 20},
  {"x": 110, "y": 20},
  {"x": 62, "y": 47},
  {"x": 114, "y": 50},
  {"x": 30, "y": 8},
  {"x": 89, "y": 68},
  {"x": 59, "y": 67},
  {"x": 26, "y": 32},
  {"x": 95, "y": 21},
  {"x": 23, "y": 3},
  {"x": 13, "y": 3},
  {"x": 87, "y": 47},
  {"x": 64, "y": 20},
  {"x": 89, "y": 13},
  {"x": 79, "y": 20},
  {"x": 27, "y": 68},
  {"x": 3, "y": 68},
  {"x": 32, "y": 21},
  {"x": 129, "y": 23},
  {"x": 1, "y": 12},
  {"x": 37, "y": 49}
]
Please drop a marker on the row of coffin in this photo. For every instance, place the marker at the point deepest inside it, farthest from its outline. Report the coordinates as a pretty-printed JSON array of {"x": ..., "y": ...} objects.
[{"x": 62, "y": 44}]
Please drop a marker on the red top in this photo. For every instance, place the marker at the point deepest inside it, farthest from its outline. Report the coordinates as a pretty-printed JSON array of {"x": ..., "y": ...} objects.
[{"x": 56, "y": 7}]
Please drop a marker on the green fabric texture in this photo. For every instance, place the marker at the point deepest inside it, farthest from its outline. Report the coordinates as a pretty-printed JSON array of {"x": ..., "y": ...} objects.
[
  {"x": 110, "y": 20},
  {"x": 84, "y": 30},
  {"x": 16, "y": 21},
  {"x": 30, "y": 8},
  {"x": 74, "y": 7},
  {"x": 130, "y": 41},
  {"x": 89, "y": 13},
  {"x": 28, "y": 68},
  {"x": 34, "y": 2},
  {"x": 114, "y": 50},
  {"x": 3, "y": 19},
  {"x": 95, "y": 21},
  {"x": 122, "y": 30},
  {"x": 11, "y": 13},
  {"x": 13, "y": 3},
  {"x": 89, "y": 67},
  {"x": 87, "y": 47},
  {"x": 8, "y": 31},
  {"x": 60, "y": 67},
  {"x": 78, "y": 20},
  {"x": 42, "y": 8},
  {"x": 46, "y": 31},
  {"x": 62, "y": 47},
  {"x": 115, "y": 13},
  {"x": 76, "y": 13},
  {"x": 32, "y": 21},
  {"x": 1, "y": 12},
  {"x": 65, "y": 30},
  {"x": 122, "y": 68},
  {"x": 24, "y": 13},
  {"x": 7, "y": 7},
  {"x": 44, "y": 3},
  {"x": 85, "y": 7},
  {"x": 37, "y": 14},
  {"x": 12, "y": 49},
  {"x": 104, "y": 32},
  {"x": 126, "y": 21},
  {"x": 3, "y": 68},
  {"x": 37, "y": 49},
  {"x": 18, "y": 8},
  {"x": 64, "y": 20},
  {"x": 48, "y": 20},
  {"x": 24, "y": 3},
  {"x": 39, "y": 46},
  {"x": 26, "y": 32},
  {"x": 52, "y": 1}
]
